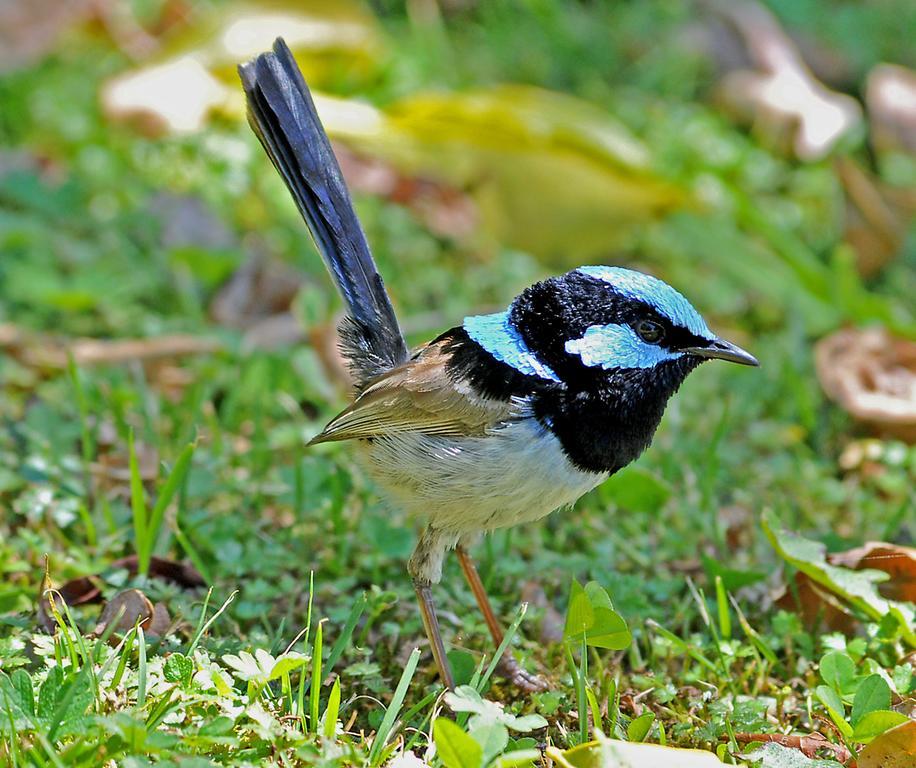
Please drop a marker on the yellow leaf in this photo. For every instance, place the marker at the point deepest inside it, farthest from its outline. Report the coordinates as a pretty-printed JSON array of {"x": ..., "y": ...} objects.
[
  {"x": 550, "y": 173},
  {"x": 611, "y": 753},
  {"x": 895, "y": 748}
]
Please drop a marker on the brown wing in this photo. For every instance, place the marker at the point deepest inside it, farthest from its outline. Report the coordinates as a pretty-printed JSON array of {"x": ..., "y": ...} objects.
[{"x": 418, "y": 396}]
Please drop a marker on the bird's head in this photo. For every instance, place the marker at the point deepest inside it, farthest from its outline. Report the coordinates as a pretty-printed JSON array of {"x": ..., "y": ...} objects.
[{"x": 618, "y": 329}]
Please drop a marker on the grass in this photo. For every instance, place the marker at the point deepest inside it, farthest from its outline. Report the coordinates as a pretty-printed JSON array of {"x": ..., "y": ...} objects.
[{"x": 300, "y": 649}]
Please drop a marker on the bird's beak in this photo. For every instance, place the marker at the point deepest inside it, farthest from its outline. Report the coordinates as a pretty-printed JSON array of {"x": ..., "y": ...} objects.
[{"x": 720, "y": 349}]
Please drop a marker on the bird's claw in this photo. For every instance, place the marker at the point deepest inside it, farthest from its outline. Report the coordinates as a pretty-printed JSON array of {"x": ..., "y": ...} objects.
[{"x": 526, "y": 681}]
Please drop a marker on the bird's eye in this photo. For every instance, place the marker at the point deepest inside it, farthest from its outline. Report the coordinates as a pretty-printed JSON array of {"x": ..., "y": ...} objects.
[{"x": 650, "y": 331}]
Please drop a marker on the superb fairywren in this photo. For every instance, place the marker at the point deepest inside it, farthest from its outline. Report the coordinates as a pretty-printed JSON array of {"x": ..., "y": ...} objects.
[{"x": 504, "y": 418}]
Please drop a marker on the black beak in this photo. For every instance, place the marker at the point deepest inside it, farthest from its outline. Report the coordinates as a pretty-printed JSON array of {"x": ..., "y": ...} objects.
[{"x": 724, "y": 350}]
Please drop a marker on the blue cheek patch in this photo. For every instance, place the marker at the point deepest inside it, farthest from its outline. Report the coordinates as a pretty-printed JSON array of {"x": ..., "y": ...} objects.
[
  {"x": 501, "y": 339},
  {"x": 654, "y": 292},
  {"x": 617, "y": 346}
]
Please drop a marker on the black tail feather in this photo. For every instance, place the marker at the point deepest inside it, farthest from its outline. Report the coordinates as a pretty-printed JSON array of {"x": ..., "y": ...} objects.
[{"x": 281, "y": 113}]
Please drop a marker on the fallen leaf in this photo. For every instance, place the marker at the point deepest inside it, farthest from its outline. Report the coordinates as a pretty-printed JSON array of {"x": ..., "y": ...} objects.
[
  {"x": 183, "y": 574},
  {"x": 611, "y": 753},
  {"x": 781, "y": 96},
  {"x": 872, "y": 375},
  {"x": 895, "y": 748},
  {"x": 195, "y": 76},
  {"x": 85, "y": 590},
  {"x": 81, "y": 591},
  {"x": 858, "y": 589},
  {"x": 876, "y": 216},
  {"x": 258, "y": 298},
  {"x": 774, "y": 755},
  {"x": 897, "y": 561},
  {"x": 506, "y": 147},
  {"x": 127, "y": 608},
  {"x": 816, "y": 605},
  {"x": 161, "y": 622},
  {"x": 445, "y": 210},
  {"x": 890, "y": 96},
  {"x": 176, "y": 96},
  {"x": 260, "y": 288},
  {"x": 808, "y": 744}
]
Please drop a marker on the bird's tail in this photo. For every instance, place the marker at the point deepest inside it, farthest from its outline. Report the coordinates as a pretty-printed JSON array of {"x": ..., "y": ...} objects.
[{"x": 281, "y": 113}]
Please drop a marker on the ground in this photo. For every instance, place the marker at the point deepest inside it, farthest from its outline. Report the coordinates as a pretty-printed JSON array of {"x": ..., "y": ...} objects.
[{"x": 288, "y": 639}]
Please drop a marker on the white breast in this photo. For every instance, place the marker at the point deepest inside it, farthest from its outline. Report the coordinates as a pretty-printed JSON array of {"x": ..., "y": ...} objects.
[{"x": 516, "y": 474}]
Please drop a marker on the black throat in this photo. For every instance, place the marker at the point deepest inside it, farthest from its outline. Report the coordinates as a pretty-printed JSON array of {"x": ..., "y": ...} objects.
[
  {"x": 604, "y": 428},
  {"x": 604, "y": 418}
]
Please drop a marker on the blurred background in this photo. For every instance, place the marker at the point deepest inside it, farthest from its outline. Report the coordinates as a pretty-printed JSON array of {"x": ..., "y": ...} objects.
[{"x": 761, "y": 157}]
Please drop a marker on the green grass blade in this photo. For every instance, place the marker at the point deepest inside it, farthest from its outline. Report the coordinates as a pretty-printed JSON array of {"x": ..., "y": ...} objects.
[
  {"x": 128, "y": 645},
  {"x": 189, "y": 549},
  {"x": 391, "y": 714},
  {"x": 331, "y": 712},
  {"x": 507, "y": 638},
  {"x": 138, "y": 510},
  {"x": 141, "y": 668},
  {"x": 173, "y": 482},
  {"x": 340, "y": 645},
  {"x": 202, "y": 628},
  {"x": 316, "y": 680}
]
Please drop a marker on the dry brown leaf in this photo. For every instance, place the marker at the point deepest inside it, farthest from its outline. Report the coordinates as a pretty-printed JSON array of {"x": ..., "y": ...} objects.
[
  {"x": 890, "y": 95},
  {"x": 257, "y": 299},
  {"x": 895, "y": 748},
  {"x": 127, "y": 607},
  {"x": 108, "y": 352},
  {"x": 124, "y": 610},
  {"x": 161, "y": 622},
  {"x": 809, "y": 744},
  {"x": 81, "y": 591},
  {"x": 872, "y": 375},
  {"x": 444, "y": 209},
  {"x": 781, "y": 96},
  {"x": 876, "y": 216},
  {"x": 260, "y": 288},
  {"x": 132, "y": 607},
  {"x": 897, "y": 561},
  {"x": 819, "y": 606},
  {"x": 183, "y": 574}
]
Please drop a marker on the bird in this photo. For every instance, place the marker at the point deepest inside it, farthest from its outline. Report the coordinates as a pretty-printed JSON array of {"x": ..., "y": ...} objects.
[{"x": 499, "y": 420}]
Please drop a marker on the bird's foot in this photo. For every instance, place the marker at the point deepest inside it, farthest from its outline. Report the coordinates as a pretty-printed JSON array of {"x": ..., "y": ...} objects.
[{"x": 511, "y": 670}]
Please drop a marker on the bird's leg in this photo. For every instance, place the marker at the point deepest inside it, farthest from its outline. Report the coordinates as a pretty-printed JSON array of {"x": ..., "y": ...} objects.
[
  {"x": 508, "y": 664},
  {"x": 425, "y": 567},
  {"x": 431, "y": 624}
]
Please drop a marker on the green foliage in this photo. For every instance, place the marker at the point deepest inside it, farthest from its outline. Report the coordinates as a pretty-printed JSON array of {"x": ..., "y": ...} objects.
[{"x": 454, "y": 746}]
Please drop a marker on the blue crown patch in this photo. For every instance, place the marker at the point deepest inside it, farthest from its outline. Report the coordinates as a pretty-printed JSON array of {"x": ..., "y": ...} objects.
[{"x": 654, "y": 292}]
